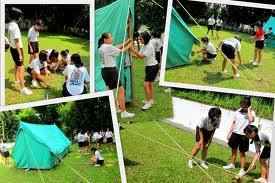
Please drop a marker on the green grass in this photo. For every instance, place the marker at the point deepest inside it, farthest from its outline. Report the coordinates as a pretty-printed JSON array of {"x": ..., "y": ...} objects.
[
  {"x": 262, "y": 106},
  {"x": 209, "y": 74},
  {"x": 63, "y": 173},
  {"x": 46, "y": 41},
  {"x": 147, "y": 161}
]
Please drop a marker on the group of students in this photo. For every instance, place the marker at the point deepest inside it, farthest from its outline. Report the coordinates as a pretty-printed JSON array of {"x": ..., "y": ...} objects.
[
  {"x": 213, "y": 24},
  {"x": 150, "y": 52},
  {"x": 42, "y": 63},
  {"x": 84, "y": 140},
  {"x": 5, "y": 154},
  {"x": 241, "y": 131}
]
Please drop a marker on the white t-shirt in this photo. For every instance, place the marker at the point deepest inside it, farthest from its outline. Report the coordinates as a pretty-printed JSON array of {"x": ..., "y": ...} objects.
[
  {"x": 211, "y": 21},
  {"x": 219, "y": 22},
  {"x": 33, "y": 35},
  {"x": 107, "y": 54},
  {"x": 14, "y": 33},
  {"x": 109, "y": 134},
  {"x": 36, "y": 65},
  {"x": 156, "y": 44},
  {"x": 241, "y": 121},
  {"x": 205, "y": 123},
  {"x": 97, "y": 136},
  {"x": 150, "y": 56},
  {"x": 265, "y": 139},
  {"x": 86, "y": 136},
  {"x": 98, "y": 155},
  {"x": 211, "y": 48},
  {"x": 76, "y": 78},
  {"x": 81, "y": 137},
  {"x": 234, "y": 43},
  {"x": 68, "y": 59}
]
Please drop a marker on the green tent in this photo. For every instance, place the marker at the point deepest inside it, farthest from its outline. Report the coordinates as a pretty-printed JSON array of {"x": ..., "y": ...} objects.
[
  {"x": 112, "y": 18},
  {"x": 270, "y": 23},
  {"x": 39, "y": 146},
  {"x": 180, "y": 43}
]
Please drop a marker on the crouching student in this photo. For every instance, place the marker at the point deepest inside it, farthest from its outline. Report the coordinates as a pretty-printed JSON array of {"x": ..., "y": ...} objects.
[
  {"x": 97, "y": 159},
  {"x": 37, "y": 68},
  {"x": 204, "y": 134},
  {"x": 63, "y": 61},
  {"x": 209, "y": 52},
  {"x": 260, "y": 138}
]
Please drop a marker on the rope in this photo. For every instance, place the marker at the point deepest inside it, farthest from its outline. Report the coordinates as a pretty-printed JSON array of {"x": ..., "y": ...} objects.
[{"x": 157, "y": 4}]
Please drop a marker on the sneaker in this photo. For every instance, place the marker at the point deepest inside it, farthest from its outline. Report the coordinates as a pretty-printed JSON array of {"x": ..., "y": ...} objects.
[
  {"x": 241, "y": 172},
  {"x": 152, "y": 102},
  {"x": 230, "y": 166},
  {"x": 236, "y": 76},
  {"x": 204, "y": 165},
  {"x": 261, "y": 180},
  {"x": 126, "y": 114},
  {"x": 255, "y": 63},
  {"x": 97, "y": 165},
  {"x": 34, "y": 84},
  {"x": 147, "y": 106},
  {"x": 168, "y": 90},
  {"x": 224, "y": 72},
  {"x": 190, "y": 163},
  {"x": 26, "y": 91}
]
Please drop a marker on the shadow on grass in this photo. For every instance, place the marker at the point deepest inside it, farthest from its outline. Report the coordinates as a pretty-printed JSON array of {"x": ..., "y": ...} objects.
[
  {"x": 217, "y": 161},
  {"x": 10, "y": 85},
  {"x": 215, "y": 77},
  {"x": 129, "y": 162}
]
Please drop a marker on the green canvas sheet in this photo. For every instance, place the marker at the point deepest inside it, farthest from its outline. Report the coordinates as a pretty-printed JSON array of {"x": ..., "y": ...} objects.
[{"x": 270, "y": 23}]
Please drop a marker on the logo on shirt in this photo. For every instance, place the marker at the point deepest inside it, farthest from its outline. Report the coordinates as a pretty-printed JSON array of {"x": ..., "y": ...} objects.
[{"x": 76, "y": 78}]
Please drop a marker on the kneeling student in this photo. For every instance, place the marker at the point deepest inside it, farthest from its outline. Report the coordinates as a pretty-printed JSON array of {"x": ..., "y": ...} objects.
[
  {"x": 209, "y": 52},
  {"x": 97, "y": 159},
  {"x": 204, "y": 134},
  {"x": 38, "y": 67}
]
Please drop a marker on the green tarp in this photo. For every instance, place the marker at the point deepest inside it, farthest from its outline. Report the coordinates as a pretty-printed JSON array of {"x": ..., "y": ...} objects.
[
  {"x": 180, "y": 43},
  {"x": 112, "y": 18},
  {"x": 39, "y": 146},
  {"x": 270, "y": 23}
]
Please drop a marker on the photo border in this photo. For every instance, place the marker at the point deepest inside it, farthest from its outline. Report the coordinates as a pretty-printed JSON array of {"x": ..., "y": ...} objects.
[
  {"x": 78, "y": 98},
  {"x": 59, "y": 2}
]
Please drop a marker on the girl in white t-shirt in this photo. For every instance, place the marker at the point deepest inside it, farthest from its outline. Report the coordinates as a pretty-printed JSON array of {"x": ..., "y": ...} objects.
[
  {"x": 147, "y": 52},
  {"x": 109, "y": 137},
  {"x": 33, "y": 46},
  {"x": 209, "y": 52},
  {"x": 109, "y": 72},
  {"x": 64, "y": 60},
  {"x": 97, "y": 159},
  {"x": 219, "y": 23},
  {"x": 211, "y": 25}
]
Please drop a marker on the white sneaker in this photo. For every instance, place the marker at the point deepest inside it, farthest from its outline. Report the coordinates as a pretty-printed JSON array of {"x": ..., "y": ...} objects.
[
  {"x": 126, "y": 114},
  {"x": 241, "y": 172},
  {"x": 236, "y": 76},
  {"x": 254, "y": 63},
  {"x": 224, "y": 72},
  {"x": 261, "y": 180},
  {"x": 147, "y": 106},
  {"x": 230, "y": 166},
  {"x": 26, "y": 91},
  {"x": 97, "y": 165},
  {"x": 34, "y": 84},
  {"x": 204, "y": 165},
  {"x": 190, "y": 163},
  {"x": 168, "y": 90},
  {"x": 152, "y": 102}
]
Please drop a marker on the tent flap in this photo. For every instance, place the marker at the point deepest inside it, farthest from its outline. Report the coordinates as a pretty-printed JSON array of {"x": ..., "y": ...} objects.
[{"x": 270, "y": 23}]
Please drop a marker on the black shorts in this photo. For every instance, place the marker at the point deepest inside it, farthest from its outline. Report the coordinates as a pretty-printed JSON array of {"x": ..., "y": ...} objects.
[
  {"x": 15, "y": 56},
  {"x": 66, "y": 93},
  {"x": 99, "y": 162},
  {"x": 29, "y": 70},
  {"x": 158, "y": 56},
  {"x": 206, "y": 134},
  {"x": 151, "y": 73},
  {"x": 6, "y": 154},
  {"x": 87, "y": 143},
  {"x": 211, "y": 56},
  {"x": 81, "y": 144},
  {"x": 218, "y": 28},
  {"x": 265, "y": 153},
  {"x": 35, "y": 47},
  {"x": 100, "y": 141},
  {"x": 7, "y": 46},
  {"x": 259, "y": 44},
  {"x": 109, "y": 140},
  {"x": 239, "y": 141},
  {"x": 229, "y": 51},
  {"x": 110, "y": 77},
  {"x": 210, "y": 27}
]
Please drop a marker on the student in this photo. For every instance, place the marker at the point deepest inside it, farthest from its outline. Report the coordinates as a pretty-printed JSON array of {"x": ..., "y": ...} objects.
[
  {"x": 33, "y": 46},
  {"x": 211, "y": 25},
  {"x": 268, "y": 35},
  {"x": 16, "y": 49},
  {"x": 7, "y": 44},
  {"x": 87, "y": 142},
  {"x": 260, "y": 138},
  {"x": 6, "y": 153},
  {"x": 109, "y": 137},
  {"x": 209, "y": 52},
  {"x": 65, "y": 59},
  {"x": 81, "y": 142},
  {"x": 99, "y": 140},
  {"x": 109, "y": 72},
  {"x": 219, "y": 23},
  {"x": 97, "y": 159},
  {"x": 53, "y": 59},
  {"x": 157, "y": 44},
  {"x": 76, "y": 77},
  {"x": 228, "y": 47},
  {"x": 236, "y": 137},
  {"x": 259, "y": 44},
  {"x": 147, "y": 53},
  {"x": 37, "y": 68},
  {"x": 204, "y": 133}
]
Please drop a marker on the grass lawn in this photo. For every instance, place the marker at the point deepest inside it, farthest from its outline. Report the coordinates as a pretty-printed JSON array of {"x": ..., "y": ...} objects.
[
  {"x": 147, "y": 161},
  {"x": 63, "y": 173},
  {"x": 46, "y": 41},
  {"x": 209, "y": 74}
]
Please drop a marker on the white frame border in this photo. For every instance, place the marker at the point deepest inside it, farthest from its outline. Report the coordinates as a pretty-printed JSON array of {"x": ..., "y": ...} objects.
[{"x": 78, "y": 98}]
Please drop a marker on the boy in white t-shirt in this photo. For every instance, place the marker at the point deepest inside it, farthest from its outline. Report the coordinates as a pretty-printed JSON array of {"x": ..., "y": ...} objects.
[
  {"x": 236, "y": 137},
  {"x": 109, "y": 137},
  {"x": 211, "y": 25},
  {"x": 33, "y": 46},
  {"x": 209, "y": 52},
  {"x": 81, "y": 142}
]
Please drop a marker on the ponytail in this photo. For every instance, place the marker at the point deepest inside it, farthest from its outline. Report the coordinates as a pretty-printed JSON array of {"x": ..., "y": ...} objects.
[{"x": 101, "y": 39}]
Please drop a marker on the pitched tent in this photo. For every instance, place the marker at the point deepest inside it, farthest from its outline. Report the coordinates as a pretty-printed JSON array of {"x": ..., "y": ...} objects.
[
  {"x": 180, "y": 43},
  {"x": 270, "y": 23},
  {"x": 39, "y": 146},
  {"x": 112, "y": 18}
]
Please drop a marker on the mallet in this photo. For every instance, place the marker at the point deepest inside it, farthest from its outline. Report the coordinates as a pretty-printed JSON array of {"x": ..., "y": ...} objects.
[{"x": 237, "y": 178}]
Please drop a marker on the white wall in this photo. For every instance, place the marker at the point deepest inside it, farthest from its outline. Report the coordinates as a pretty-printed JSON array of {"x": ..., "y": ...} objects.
[{"x": 188, "y": 113}]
